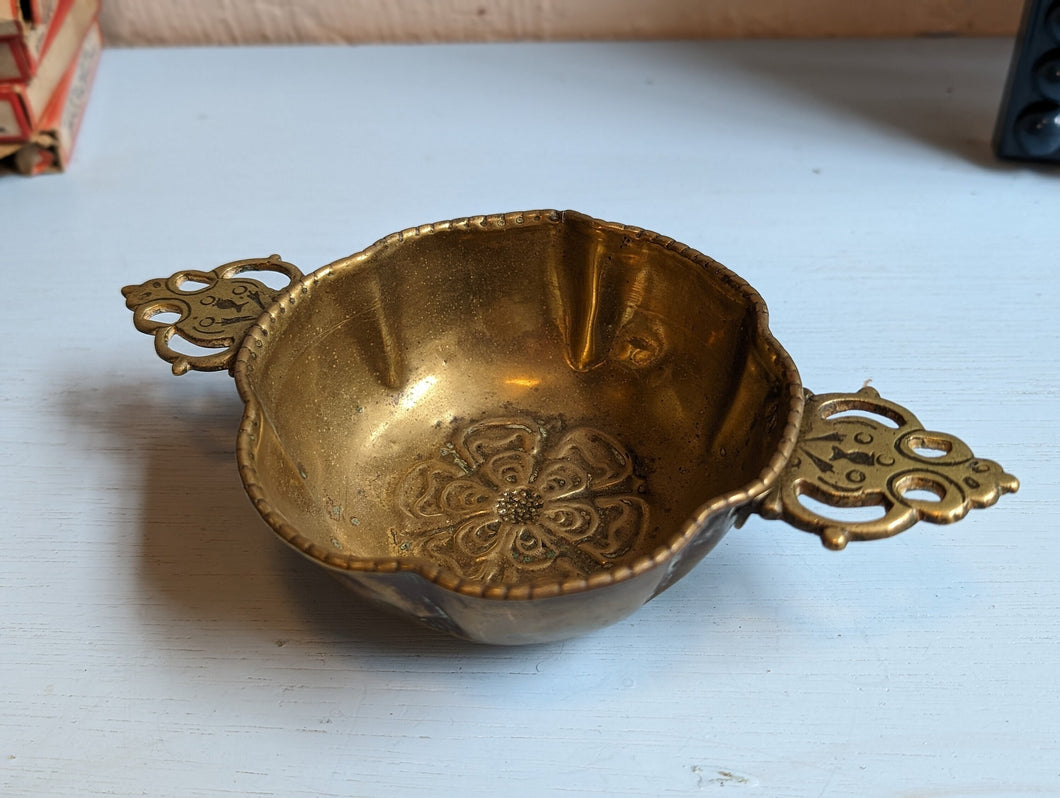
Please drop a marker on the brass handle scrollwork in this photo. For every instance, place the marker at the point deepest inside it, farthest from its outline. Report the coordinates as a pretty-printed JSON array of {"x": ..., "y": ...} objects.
[
  {"x": 216, "y": 309},
  {"x": 860, "y": 461}
]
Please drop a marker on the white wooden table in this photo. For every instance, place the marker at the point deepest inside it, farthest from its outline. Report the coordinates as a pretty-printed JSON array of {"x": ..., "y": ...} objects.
[{"x": 155, "y": 639}]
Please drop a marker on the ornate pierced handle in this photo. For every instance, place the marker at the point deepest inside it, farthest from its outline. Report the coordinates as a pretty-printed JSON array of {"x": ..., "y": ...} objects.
[
  {"x": 859, "y": 461},
  {"x": 216, "y": 309}
]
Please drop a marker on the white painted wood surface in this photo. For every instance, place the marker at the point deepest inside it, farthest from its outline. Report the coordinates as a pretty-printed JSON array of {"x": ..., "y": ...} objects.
[{"x": 156, "y": 640}]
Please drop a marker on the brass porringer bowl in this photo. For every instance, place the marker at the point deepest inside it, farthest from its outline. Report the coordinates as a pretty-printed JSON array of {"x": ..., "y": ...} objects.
[{"x": 521, "y": 427}]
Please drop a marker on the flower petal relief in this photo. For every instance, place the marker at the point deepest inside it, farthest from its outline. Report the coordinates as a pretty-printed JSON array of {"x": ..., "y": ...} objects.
[{"x": 512, "y": 500}]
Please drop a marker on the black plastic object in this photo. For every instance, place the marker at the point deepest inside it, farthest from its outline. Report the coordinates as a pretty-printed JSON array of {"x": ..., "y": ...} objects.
[{"x": 1028, "y": 126}]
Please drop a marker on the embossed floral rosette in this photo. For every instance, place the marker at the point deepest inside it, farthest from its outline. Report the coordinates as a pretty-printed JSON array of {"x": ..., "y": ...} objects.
[{"x": 507, "y": 498}]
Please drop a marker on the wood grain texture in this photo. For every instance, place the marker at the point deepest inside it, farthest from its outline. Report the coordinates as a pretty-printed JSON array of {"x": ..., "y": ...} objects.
[
  {"x": 138, "y": 22},
  {"x": 156, "y": 639}
]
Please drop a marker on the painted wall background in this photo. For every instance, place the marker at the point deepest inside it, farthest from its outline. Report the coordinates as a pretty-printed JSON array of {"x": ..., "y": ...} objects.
[{"x": 145, "y": 22}]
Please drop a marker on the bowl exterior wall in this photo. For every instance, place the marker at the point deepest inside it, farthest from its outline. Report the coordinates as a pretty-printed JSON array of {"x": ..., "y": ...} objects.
[{"x": 536, "y": 620}]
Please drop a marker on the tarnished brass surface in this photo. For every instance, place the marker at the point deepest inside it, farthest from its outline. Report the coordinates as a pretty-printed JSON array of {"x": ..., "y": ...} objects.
[
  {"x": 215, "y": 310},
  {"x": 509, "y": 498},
  {"x": 860, "y": 461},
  {"x": 516, "y": 427}
]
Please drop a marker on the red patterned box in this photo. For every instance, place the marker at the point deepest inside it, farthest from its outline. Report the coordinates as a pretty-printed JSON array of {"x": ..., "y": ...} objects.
[
  {"x": 22, "y": 105},
  {"x": 50, "y": 147},
  {"x": 23, "y": 41}
]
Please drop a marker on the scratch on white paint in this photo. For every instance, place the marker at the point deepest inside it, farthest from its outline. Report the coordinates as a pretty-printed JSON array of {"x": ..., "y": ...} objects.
[{"x": 721, "y": 777}]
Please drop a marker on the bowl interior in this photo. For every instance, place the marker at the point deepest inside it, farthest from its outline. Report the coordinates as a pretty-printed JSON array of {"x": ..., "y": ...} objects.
[{"x": 512, "y": 399}]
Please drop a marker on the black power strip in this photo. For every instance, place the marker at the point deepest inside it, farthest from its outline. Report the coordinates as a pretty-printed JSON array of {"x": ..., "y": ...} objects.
[{"x": 1028, "y": 126}]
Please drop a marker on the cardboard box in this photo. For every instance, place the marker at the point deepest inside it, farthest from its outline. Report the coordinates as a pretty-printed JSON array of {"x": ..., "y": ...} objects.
[
  {"x": 20, "y": 53},
  {"x": 50, "y": 147},
  {"x": 22, "y": 105},
  {"x": 18, "y": 15},
  {"x": 12, "y": 18}
]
